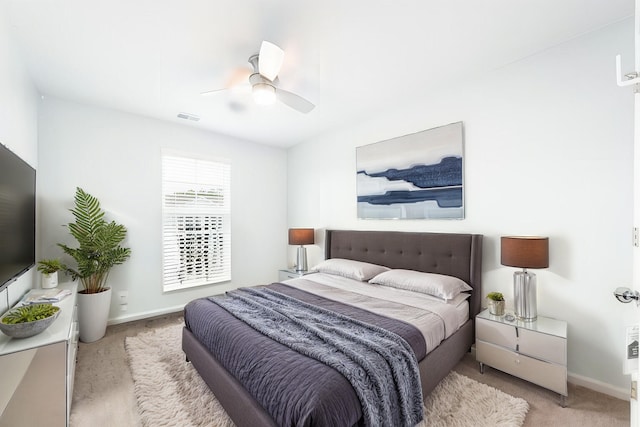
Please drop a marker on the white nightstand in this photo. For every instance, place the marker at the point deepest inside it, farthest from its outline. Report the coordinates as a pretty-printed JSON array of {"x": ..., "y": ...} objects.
[
  {"x": 291, "y": 273},
  {"x": 534, "y": 351}
]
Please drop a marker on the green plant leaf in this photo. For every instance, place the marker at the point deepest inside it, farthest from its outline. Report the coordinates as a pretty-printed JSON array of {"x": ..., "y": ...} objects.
[
  {"x": 98, "y": 243},
  {"x": 49, "y": 266},
  {"x": 29, "y": 313},
  {"x": 495, "y": 296}
]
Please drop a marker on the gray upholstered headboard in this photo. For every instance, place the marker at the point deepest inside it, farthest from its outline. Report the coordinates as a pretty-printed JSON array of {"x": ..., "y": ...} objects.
[{"x": 453, "y": 254}]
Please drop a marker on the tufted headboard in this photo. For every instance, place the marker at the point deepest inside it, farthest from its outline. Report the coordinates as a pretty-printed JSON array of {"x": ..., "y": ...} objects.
[{"x": 453, "y": 254}]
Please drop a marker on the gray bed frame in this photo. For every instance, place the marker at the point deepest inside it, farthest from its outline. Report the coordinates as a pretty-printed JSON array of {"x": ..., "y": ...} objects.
[{"x": 453, "y": 254}]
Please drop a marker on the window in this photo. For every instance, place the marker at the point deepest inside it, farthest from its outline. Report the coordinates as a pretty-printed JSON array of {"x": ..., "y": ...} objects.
[{"x": 196, "y": 231}]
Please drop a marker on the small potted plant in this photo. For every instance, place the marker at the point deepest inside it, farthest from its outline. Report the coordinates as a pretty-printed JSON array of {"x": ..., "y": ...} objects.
[
  {"x": 496, "y": 303},
  {"x": 49, "y": 269}
]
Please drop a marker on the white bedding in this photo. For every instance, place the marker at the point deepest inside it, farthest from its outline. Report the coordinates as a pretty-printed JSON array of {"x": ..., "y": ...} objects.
[{"x": 435, "y": 319}]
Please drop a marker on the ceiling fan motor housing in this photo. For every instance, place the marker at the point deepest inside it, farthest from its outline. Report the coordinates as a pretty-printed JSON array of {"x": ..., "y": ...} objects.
[{"x": 264, "y": 92}]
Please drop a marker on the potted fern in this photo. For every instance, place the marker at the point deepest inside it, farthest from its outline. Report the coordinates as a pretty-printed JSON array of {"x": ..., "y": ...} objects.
[
  {"x": 98, "y": 251},
  {"x": 496, "y": 303}
]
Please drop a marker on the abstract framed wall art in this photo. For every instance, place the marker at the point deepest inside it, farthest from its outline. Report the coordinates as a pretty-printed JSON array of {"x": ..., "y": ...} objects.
[{"x": 416, "y": 176}]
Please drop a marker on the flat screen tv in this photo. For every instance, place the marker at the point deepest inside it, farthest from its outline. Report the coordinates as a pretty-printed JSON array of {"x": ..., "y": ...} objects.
[{"x": 17, "y": 216}]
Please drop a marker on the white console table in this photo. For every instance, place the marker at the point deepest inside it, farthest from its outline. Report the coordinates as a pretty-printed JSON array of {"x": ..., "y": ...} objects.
[{"x": 38, "y": 372}]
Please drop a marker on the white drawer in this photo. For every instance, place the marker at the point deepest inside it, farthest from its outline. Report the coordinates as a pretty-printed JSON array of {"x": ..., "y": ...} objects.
[
  {"x": 548, "y": 375},
  {"x": 532, "y": 343},
  {"x": 543, "y": 346},
  {"x": 497, "y": 333},
  {"x": 284, "y": 275}
]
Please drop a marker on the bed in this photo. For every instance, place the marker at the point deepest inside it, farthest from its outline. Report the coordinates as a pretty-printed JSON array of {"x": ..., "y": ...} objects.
[{"x": 450, "y": 254}]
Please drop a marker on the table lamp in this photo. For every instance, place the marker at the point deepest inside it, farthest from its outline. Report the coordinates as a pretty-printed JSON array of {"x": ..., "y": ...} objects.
[
  {"x": 301, "y": 236},
  {"x": 525, "y": 252}
]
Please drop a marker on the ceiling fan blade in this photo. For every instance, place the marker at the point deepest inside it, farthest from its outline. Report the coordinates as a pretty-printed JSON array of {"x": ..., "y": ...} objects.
[
  {"x": 238, "y": 76},
  {"x": 211, "y": 92},
  {"x": 270, "y": 60},
  {"x": 294, "y": 101}
]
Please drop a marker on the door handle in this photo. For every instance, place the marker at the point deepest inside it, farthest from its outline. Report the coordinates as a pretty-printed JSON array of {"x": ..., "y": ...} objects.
[{"x": 626, "y": 295}]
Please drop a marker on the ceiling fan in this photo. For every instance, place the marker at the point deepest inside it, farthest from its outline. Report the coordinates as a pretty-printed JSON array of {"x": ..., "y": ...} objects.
[{"x": 264, "y": 80}]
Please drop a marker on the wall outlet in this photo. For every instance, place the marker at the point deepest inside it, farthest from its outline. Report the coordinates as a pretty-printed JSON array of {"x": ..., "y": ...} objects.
[{"x": 123, "y": 297}]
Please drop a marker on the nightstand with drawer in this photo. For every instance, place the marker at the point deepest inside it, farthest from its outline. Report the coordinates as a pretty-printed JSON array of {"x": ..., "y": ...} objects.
[
  {"x": 534, "y": 351},
  {"x": 291, "y": 273}
]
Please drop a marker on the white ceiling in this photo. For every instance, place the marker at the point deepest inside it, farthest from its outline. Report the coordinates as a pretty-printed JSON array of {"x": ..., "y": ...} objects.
[{"x": 352, "y": 58}]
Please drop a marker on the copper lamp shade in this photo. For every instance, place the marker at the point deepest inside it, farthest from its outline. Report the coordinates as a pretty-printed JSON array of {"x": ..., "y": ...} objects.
[
  {"x": 301, "y": 236},
  {"x": 525, "y": 252}
]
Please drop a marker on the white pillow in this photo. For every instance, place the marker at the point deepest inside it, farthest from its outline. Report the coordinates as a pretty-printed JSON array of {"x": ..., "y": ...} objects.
[
  {"x": 357, "y": 270},
  {"x": 462, "y": 296},
  {"x": 438, "y": 285}
]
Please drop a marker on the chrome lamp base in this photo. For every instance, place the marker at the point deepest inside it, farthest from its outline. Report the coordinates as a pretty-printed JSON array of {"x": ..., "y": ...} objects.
[
  {"x": 525, "y": 296},
  {"x": 301, "y": 260}
]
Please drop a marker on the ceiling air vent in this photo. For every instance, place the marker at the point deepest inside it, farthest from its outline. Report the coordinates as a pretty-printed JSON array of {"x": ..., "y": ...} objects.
[{"x": 188, "y": 116}]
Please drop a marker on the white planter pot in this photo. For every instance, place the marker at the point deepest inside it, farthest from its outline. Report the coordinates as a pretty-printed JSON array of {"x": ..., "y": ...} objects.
[
  {"x": 93, "y": 312},
  {"x": 49, "y": 280}
]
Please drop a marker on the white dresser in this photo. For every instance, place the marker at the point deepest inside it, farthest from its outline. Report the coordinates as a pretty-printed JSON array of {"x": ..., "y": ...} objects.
[
  {"x": 38, "y": 372},
  {"x": 534, "y": 351}
]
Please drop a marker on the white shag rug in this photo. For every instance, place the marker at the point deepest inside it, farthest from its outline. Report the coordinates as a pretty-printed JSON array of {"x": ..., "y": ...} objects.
[{"x": 170, "y": 392}]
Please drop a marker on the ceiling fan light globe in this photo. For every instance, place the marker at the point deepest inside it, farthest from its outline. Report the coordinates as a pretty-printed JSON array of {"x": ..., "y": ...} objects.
[{"x": 264, "y": 94}]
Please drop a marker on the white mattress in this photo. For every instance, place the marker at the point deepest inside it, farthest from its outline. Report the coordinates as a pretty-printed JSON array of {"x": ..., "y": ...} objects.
[{"x": 435, "y": 318}]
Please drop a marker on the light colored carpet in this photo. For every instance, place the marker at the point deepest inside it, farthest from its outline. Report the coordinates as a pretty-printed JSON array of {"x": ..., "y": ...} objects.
[{"x": 170, "y": 392}]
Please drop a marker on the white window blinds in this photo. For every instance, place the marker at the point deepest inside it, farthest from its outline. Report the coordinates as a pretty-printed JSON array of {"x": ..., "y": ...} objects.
[{"x": 196, "y": 214}]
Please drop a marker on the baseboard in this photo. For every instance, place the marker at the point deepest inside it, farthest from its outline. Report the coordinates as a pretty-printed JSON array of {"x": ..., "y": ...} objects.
[
  {"x": 590, "y": 383},
  {"x": 599, "y": 386},
  {"x": 146, "y": 315}
]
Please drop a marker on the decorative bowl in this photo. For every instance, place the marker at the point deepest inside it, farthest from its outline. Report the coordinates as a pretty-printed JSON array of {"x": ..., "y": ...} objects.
[{"x": 26, "y": 329}]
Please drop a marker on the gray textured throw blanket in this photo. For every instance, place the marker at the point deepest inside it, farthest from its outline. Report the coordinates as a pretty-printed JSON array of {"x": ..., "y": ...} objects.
[{"x": 379, "y": 364}]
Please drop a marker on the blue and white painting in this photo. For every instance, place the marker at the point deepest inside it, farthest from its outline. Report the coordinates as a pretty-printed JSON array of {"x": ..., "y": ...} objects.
[{"x": 417, "y": 176}]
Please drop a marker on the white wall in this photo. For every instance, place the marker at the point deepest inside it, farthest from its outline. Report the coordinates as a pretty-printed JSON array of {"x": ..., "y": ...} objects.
[
  {"x": 548, "y": 151},
  {"x": 116, "y": 157},
  {"x": 18, "y": 127}
]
